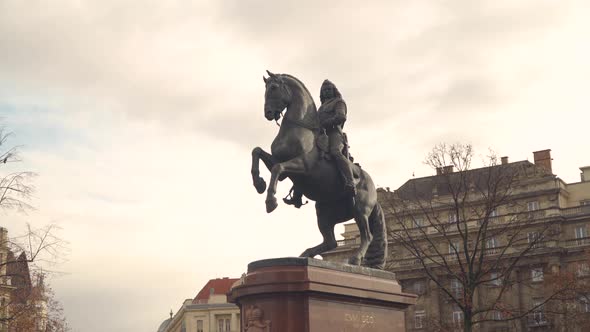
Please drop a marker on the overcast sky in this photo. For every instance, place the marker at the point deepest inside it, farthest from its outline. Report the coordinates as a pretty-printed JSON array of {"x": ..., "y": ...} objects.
[{"x": 140, "y": 116}]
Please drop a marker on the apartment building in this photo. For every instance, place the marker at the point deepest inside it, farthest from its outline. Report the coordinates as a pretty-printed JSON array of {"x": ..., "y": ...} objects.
[
  {"x": 541, "y": 225},
  {"x": 208, "y": 311}
]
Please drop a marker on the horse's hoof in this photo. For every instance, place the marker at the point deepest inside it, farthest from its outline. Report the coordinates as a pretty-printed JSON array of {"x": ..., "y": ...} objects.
[
  {"x": 260, "y": 185},
  {"x": 354, "y": 261},
  {"x": 306, "y": 253},
  {"x": 271, "y": 204}
]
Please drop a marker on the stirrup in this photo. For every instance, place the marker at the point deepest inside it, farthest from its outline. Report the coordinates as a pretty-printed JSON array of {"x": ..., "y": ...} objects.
[{"x": 293, "y": 201}]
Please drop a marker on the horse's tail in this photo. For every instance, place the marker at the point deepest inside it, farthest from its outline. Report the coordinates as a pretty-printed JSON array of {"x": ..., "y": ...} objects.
[{"x": 377, "y": 251}]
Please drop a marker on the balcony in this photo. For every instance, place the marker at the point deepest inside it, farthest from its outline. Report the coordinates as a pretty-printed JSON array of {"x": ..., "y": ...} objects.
[
  {"x": 575, "y": 211},
  {"x": 492, "y": 251},
  {"x": 578, "y": 242},
  {"x": 537, "y": 318}
]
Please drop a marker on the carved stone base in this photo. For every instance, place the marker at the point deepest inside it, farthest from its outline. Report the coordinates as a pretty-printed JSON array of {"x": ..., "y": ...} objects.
[{"x": 309, "y": 295}]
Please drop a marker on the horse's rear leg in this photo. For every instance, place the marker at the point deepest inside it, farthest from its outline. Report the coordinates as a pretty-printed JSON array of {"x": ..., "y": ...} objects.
[
  {"x": 257, "y": 155},
  {"x": 361, "y": 216}
]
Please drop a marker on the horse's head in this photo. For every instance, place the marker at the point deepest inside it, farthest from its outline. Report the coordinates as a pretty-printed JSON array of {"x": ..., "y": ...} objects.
[{"x": 276, "y": 97}]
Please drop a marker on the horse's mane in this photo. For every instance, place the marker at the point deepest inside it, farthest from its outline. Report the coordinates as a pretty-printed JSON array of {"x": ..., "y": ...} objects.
[{"x": 300, "y": 83}]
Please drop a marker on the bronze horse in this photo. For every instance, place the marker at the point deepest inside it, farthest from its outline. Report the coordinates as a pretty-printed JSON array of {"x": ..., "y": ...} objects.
[{"x": 295, "y": 154}]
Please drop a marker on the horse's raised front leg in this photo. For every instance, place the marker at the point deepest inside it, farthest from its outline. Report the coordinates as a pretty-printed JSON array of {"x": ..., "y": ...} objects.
[
  {"x": 257, "y": 154},
  {"x": 293, "y": 166}
]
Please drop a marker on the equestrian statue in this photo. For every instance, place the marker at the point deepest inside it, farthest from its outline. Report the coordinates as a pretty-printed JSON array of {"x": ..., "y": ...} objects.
[{"x": 311, "y": 150}]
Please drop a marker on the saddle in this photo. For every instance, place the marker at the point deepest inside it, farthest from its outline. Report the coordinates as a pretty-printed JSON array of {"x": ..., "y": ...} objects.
[{"x": 323, "y": 144}]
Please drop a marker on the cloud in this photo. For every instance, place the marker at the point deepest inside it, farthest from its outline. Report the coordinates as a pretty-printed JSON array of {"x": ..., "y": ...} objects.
[{"x": 156, "y": 61}]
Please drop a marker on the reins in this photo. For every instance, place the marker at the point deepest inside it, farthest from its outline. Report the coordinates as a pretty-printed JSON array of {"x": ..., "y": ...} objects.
[{"x": 299, "y": 123}]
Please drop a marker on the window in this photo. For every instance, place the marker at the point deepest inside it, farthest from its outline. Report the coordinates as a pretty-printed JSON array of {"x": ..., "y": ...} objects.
[
  {"x": 533, "y": 206},
  {"x": 419, "y": 287},
  {"x": 584, "y": 303},
  {"x": 223, "y": 325},
  {"x": 494, "y": 213},
  {"x": 183, "y": 326},
  {"x": 199, "y": 325},
  {"x": 492, "y": 245},
  {"x": 456, "y": 288},
  {"x": 497, "y": 315},
  {"x": 583, "y": 269},
  {"x": 537, "y": 317},
  {"x": 581, "y": 235},
  {"x": 585, "y": 202},
  {"x": 457, "y": 316},
  {"x": 419, "y": 222},
  {"x": 453, "y": 217},
  {"x": 534, "y": 239},
  {"x": 419, "y": 317},
  {"x": 537, "y": 274},
  {"x": 495, "y": 279},
  {"x": 454, "y": 250}
]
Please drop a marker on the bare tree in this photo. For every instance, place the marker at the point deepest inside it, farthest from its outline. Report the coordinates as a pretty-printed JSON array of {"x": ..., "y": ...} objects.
[
  {"x": 26, "y": 303},
  {"x": 25, "y": 298},
  {"x": 15, "y": 187},
  {"x": 39, "y": 311},
  {"x": 469, "y": 230},
  {"x": 572, "y": 306}
]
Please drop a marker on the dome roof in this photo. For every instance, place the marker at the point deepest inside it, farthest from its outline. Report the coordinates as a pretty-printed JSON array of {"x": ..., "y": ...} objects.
[{"x": 164, "y": 325}]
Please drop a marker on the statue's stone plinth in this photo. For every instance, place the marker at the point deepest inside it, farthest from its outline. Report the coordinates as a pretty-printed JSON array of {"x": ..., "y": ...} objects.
[{"x": 309, "y": 295}]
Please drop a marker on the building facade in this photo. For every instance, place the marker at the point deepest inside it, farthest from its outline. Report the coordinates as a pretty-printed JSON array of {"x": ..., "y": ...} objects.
[
  {"x": 208, "y": 311},
  {"x": 6, "y": 287},
  {"x": 23, "y": 304},
  {"x": 554, "y": 237}
]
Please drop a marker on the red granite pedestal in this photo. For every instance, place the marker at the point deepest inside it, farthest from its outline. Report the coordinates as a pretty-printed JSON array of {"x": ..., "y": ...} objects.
[{"x": 309, "y": 295}]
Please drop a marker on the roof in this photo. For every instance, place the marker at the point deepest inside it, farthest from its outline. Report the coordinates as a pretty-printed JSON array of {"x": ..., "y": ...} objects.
[
  {"x": 164, "y": 325},
  {"x": 219, "y": 286},
  {"x": 426, "y": 187}
]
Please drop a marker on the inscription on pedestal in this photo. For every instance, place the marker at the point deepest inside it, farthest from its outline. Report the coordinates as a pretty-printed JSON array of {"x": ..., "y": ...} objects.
[
  {"x": 351, "y": 317},
  {"x": 360, "y": 320}
]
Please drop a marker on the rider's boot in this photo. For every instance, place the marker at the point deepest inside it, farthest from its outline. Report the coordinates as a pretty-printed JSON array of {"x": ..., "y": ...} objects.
[{"x": 296, "y": 199}]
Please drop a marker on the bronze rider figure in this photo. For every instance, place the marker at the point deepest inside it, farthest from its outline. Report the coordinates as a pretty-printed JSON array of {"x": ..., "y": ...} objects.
[{"x": 332, "y": 116}]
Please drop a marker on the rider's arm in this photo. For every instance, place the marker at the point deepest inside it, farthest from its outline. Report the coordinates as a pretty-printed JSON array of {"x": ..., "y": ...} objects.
[{"x": 339, "y": 116}]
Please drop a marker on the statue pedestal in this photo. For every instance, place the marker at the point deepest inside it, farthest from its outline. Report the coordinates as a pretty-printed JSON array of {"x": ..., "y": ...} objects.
[{"x": 309, "y": 295}]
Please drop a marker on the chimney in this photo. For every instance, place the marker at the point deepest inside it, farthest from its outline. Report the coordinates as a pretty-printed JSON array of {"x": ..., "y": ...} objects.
[
  {"x": 543, "y": 159},
  {"x": 504, "y": 160},
  {"x": 585, "y": 175},
  {"x": 444, "y": 170}
]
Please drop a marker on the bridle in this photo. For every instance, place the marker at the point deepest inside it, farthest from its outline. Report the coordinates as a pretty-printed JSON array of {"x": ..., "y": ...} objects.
[{"x": 309, "y": 125}]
